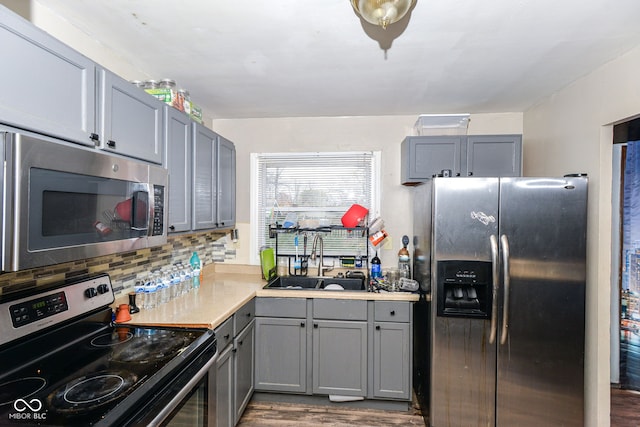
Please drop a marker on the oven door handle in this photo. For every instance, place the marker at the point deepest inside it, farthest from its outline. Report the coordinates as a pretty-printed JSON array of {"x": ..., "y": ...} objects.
[{"x": 179, "y": 397}]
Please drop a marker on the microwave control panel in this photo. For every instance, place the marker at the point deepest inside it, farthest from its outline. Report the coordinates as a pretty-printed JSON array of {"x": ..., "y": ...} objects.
[{"x": 158, "y": 211}]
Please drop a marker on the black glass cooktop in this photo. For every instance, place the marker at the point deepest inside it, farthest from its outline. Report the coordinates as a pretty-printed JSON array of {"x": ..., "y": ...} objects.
[{"x": 89, "y": 371}]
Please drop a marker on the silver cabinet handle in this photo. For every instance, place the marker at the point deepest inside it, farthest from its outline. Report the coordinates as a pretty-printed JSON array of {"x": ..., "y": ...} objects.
[
  {"x": 504, "y": 243},
  {"x": 493, "y": 240}
]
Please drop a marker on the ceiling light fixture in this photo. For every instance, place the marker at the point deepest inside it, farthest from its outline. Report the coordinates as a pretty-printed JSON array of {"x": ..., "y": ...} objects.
[{"x": 382, "y": 12}]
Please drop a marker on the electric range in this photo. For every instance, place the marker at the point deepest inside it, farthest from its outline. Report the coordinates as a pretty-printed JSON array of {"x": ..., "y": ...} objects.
[{"x": 64, "y": 362}]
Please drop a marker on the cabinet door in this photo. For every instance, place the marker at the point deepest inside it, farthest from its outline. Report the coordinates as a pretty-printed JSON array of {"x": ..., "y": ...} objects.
[
  {"x": 130, "y": 119},
  {"x": 224, "y": 389},
  {"x": 204, "y": 178},
  {"x": 281, "y": 355},
  {"x": 392, "y": 360},
  {"x": 244, "y": 369},
  {"x": 494, "y": 155},
  {"x": 47, "y": 86},
  {"x": 426, "y": 156},
  {"x": 226, "y": 183},
  {"x": 178, "y": 161},
  {"x": 340, "y": 357}
]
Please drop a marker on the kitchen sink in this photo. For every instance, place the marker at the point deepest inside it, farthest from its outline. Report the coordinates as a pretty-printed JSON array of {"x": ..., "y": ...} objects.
[{"x": 317, "y": 283}]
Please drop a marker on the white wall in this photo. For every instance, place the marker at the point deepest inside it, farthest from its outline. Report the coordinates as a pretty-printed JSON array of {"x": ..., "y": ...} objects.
[
  {"x": 58, "y": 27},
  {"x": 571, "y": 132},
  {"x": 384, "y": 133}
]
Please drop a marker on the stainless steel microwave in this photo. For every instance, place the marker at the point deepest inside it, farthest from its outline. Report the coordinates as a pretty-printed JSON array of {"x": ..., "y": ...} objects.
[{"x": 63, "y": 203}]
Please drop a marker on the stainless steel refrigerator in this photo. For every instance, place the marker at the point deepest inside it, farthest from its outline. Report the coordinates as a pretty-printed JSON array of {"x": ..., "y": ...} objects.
[{"x": 504, "y": 262}]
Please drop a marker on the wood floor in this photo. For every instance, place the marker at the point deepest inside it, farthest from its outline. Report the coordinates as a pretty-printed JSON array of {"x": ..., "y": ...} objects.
[
  {"x": 279, "y": 414},
  {"x": 625, "y": 408},
  {"x": 625, "y": 412}
]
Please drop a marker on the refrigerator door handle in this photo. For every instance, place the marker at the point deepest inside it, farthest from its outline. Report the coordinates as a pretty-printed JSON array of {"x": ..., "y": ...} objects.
[
  {"x": 504, "y": 243},
  {"x": 493, "y": 240}
]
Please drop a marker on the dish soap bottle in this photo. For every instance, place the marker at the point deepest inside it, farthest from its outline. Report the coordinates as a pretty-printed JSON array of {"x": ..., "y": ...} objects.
[
  {"x": 196, "y": 267},
  {"x": 376, "y": 267},
  {"x": 404, "y": 266}
]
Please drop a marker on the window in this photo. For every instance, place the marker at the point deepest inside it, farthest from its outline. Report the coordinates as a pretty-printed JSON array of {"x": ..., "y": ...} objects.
[{"x": 312, "y": 190}]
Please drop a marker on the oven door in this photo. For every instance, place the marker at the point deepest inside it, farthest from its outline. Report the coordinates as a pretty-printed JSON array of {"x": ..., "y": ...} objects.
[{"x": 187, "y": 399}]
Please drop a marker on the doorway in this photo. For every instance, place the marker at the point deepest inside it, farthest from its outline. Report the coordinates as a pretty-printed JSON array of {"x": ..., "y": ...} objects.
[{"x": 625, "y": 296}]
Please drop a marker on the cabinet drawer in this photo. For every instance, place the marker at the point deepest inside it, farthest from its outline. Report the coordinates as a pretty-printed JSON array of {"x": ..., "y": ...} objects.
[
  {"x": 243, "y": 316},
  {"x": 392, "y": 311},
  {"x": 339, "y": 309},
  {"x": 224, "y": 333},
  {"x": 281, "y": 307}
]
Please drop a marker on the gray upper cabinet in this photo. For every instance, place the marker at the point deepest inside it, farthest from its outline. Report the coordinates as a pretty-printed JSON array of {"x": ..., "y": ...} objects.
[
  {"x": 226, "y": 183},
  {"x": 423, "y": 157},
  {"x": 205, "y": 178},
  {"x": 494, "y": 155},
  {"x": 130, "y": 120},
  {"x": 202, "y": 175},
  {"x": 178, "y": 162},
  {"x": 426, "y": 156},
  {"x": 47, "y": 86}
]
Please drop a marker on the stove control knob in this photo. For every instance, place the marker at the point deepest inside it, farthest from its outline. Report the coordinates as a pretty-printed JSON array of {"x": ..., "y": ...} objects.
[
  {"x": 90, "y": 292},
  {"x": 103, "y": 288}
]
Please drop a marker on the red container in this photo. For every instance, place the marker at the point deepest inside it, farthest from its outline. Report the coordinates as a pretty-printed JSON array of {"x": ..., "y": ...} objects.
[{"x": 354, "y": 216}]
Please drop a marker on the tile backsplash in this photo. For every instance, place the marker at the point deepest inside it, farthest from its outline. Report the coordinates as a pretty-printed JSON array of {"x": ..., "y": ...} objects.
[{"x": 126, "y": 267}]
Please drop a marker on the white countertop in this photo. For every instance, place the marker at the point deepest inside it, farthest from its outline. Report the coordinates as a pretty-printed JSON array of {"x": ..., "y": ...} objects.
[{"x": 222, "y": 294}]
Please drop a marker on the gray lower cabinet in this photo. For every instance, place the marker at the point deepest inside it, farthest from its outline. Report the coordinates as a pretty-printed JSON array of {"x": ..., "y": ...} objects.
[
  {"x": 235, "y": 365},
  {"x": 392, "y": 354},
  {"x": 334, "y": 347},
  {"x": 282, "y": 342},
  {"x": 244, "y": 354},
  {"x": 178, "y": 162},
  {"x": 130, "y": 120},
  {"x": 281, "y": 354},
  {"x": 391, "y": 360},
  {"x": 224, "y": 388},
  {"x": 340, "y": 357},
  {"x": 47, "y": 86},
  {"x": 423, "y": 157}
]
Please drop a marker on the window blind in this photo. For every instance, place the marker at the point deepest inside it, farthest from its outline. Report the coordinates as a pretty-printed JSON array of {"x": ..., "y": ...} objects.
[{"x": 314, "y": 190}]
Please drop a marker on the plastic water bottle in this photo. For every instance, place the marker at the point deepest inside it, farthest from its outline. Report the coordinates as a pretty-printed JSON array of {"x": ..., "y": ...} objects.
[
  {"x": 140, "y": 294},
  {"x": 196, "y": 266},
  {"x": 150, "y": 294}
]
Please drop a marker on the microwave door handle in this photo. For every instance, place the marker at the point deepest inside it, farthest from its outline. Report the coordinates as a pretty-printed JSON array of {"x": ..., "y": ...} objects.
[
  {"x": 493, "y": 240},
  {"x": 149, "y": 211},
  {"x": 504, "y": 243}
]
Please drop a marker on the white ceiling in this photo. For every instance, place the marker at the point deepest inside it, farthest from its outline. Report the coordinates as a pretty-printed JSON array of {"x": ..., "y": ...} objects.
[{"x": 288, "y": 58}]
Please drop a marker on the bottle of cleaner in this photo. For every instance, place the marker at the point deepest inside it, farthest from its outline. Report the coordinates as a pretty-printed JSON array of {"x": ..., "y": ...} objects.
[{"x": 196, "y": 266}]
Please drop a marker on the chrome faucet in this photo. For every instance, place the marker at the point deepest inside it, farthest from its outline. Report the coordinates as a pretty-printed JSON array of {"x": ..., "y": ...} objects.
[{"x": 321, "y": 267}]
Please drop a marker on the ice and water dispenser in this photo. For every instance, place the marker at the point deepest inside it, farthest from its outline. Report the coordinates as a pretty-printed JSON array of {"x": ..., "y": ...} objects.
[{"x": 464, "y": 288}]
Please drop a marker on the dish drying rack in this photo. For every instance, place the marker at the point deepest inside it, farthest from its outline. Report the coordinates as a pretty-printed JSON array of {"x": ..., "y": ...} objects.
[{"x": 298, "y": 260}]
